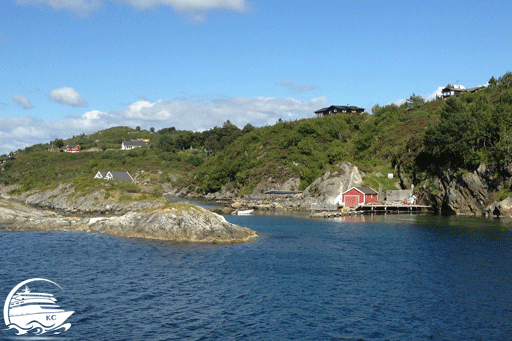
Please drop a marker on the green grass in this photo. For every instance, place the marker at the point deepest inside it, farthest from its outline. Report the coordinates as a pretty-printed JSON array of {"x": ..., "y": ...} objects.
[{"x": 391, "y": 138}]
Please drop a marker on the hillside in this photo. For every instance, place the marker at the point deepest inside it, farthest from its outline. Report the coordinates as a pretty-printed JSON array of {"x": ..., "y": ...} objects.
[{"x": 415, "y": 141}]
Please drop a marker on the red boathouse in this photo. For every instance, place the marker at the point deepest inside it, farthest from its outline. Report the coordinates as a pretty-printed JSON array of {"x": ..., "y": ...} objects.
[{"x": 358, "y": 195}]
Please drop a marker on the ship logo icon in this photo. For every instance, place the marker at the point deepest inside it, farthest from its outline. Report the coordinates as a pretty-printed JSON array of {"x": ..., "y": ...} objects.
[{"x": 34, "y": 312}]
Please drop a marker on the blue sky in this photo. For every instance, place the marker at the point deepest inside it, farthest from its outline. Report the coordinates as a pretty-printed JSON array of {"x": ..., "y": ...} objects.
[{"x": 78, "y": 66}]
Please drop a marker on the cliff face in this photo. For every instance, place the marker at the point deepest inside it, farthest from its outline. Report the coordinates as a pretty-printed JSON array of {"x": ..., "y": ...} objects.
[
  {"x": 469, "y": 193},
  {"x": 328, "y": 188}
]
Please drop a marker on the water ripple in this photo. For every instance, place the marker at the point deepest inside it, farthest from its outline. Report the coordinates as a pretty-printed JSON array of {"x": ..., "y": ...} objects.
[{"x": 393, "y": 278}]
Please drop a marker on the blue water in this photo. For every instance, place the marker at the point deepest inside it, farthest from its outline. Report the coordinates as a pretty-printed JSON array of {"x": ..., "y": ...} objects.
[{"x": 394, "y": 277}]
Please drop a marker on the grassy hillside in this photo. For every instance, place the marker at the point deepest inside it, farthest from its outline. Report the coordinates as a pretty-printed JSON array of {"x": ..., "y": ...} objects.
[
  {"x": 415, "y": 138},
  {"x": 306, "y": 148}
]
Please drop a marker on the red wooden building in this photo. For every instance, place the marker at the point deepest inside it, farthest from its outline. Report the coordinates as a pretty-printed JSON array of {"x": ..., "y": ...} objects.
[
  {"x": 73, "y": 149},
  {"x": 358, "y": 195}
]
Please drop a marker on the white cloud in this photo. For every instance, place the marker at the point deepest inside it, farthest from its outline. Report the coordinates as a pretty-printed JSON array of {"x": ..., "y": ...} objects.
[
  {"x": 428, "y": 97},
  {"x": 68, "y": 96},
  {"x": 80, "y": 7},
  {"x": 23, "y": 101},
  {"x": 398, "y": 102},
  {"x": 195, "y": 8},
  {"x": 184, "y": 114},
  {"x": 434, "y": 95}
]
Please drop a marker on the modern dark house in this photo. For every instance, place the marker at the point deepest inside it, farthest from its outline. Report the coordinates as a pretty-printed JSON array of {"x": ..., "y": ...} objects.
[{"x": 339, "y": 109}]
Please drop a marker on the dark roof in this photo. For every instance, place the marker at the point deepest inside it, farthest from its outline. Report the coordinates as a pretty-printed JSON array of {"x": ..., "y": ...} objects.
[
  {"x": 367, "y": 190},
  {"x": 134, "y": 143},
  {"x": 451, "y": 88},
  {"x": 282, "y": 192},
  {"x": 340, "y": 108},
  {"x": 454, "y": 89},
  {"x": 122, "y": 176}
]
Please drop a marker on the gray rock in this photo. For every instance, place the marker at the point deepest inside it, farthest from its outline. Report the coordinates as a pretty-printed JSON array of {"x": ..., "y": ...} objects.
[
  {"x": 469, "y": 193},
  {"x": 328, "y": 188},
  {"x": 180, "y": 222},
  {"x": 500, "y": 209}
]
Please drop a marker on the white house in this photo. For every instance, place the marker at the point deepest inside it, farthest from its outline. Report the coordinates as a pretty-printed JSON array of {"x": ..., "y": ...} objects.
[
  {"x": 127, "y": 145},
  {"x": 121, "y": 176},
  {"x": 100, "y": 175}
]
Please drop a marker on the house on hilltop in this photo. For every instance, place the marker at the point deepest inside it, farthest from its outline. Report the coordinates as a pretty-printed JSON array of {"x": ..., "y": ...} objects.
[
  {"x": 128, "y": 145},
  {"x": 339, "y": 109},
  {"x": 457, "y": 90}
]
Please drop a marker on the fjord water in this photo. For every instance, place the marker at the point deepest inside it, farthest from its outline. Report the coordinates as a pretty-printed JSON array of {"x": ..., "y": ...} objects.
[{"x": 394, "y": 277}]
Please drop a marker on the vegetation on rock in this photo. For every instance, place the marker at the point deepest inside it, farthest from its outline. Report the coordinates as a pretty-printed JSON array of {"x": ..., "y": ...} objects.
[{"x": 414, "y": 140}]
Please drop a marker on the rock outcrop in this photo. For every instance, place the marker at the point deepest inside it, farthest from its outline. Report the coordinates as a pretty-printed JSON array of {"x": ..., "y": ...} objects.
[
  {"x": 159, "y": 219},
  {"x": 500, "y": 209},
  {"x": 469, "y": 193},
  {"x": 64, "y": 199},
  {"x": 328, "y": 188}
]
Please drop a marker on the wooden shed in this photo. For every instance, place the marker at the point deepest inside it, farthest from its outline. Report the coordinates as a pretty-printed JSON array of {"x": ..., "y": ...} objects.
[{"x": 358, "y": 195}]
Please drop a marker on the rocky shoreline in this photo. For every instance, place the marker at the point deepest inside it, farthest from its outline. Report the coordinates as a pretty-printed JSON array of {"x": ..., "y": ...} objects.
[
  {"x": 471, "y": 193},
  {"x": 159, "y": 219},
  {"x": 62, "y": 208}
]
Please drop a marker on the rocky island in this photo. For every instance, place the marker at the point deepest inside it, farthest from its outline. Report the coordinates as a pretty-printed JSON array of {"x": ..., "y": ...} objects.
[{"x": 158, "y": 219}]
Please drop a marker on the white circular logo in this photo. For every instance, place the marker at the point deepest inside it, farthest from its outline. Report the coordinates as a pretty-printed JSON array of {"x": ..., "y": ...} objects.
[{"x": 34, "y": 312}]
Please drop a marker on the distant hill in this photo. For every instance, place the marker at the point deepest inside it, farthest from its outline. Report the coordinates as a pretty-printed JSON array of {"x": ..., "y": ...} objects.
[{"x": 411, "y": 140}]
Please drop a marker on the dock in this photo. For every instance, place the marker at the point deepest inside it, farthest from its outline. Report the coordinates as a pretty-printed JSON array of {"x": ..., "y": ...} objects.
[
  {"x": 393, "y": 208},
  {"x": 331, "y": 211}
]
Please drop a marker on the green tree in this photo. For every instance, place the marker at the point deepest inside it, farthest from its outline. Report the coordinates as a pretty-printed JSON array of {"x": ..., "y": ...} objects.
[
  {"x": 454, "y": 140},
  {"x": 414, "y": 102},
  {"x": 166, "y": 143},
  {"x": 59, "y": 143}
]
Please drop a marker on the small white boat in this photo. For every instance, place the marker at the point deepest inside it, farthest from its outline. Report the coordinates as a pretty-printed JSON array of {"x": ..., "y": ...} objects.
[{"x": 242, "y": 212}]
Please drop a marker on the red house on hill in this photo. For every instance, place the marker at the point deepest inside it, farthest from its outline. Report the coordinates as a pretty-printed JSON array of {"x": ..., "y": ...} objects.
[
  {"x": 72, "y": 149},
  {"x": 358, "y": 195}
]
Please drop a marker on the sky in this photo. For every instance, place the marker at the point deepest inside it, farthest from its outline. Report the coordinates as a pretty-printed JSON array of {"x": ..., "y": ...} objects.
[{"x": 72, "y": 67}]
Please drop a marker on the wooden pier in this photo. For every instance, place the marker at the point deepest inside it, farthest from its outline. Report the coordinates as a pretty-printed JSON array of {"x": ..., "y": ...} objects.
[
  {"x": 393, "y": 208},
  {"x": 331, "y": 211}
]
